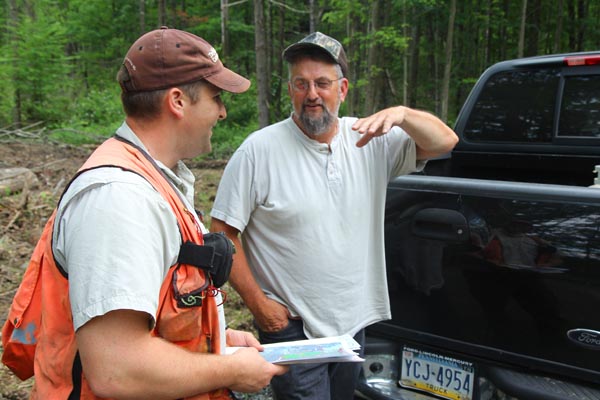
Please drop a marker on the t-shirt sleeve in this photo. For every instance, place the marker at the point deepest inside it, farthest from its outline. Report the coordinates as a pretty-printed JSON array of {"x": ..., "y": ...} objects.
[
  {"x": 116, "y": 240},
  {"x": 403, "y": 154},
  {"x": 236, "y": 196}
]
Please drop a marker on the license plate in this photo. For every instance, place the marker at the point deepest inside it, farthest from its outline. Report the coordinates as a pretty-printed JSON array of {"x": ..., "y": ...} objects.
[{"x": 433, "y": 373}]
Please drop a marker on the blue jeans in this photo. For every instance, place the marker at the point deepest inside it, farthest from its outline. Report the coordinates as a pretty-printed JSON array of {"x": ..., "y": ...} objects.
[{"x": 328, "y": 381}]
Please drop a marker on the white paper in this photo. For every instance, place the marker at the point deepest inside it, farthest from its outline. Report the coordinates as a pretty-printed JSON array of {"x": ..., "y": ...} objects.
[{"x": 322, "y": 350}]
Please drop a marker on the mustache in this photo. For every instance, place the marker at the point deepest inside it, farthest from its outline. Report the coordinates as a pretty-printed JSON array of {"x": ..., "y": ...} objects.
[{"x": 313, "y": 103}]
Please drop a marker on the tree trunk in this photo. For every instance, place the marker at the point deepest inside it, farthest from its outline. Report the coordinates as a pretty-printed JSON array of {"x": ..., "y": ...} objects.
[
  {"x": 448, "y": 62},
  {"x": 488, "y": 33},
  {"x": 262, "y": 77},
  {"x": 313, "y": 16},
  {"x": 224, "y": 31},
  {"x": 405, "y": 57},
  {"x": 521, "y": 45},
  {"x": 559, "y": 26},
  {"x": 373, "y": 54},
  {"x": 415, "y": 47},
  {"x": 12, "y": 22},
  {"x": 504, "y": 35},
  {"x": 279, "y": 68},
  {"x": 161, "y": 13},
  {"x": 533, "y": 32},
  {"x": 571, "y": 21},
  {"x": 268, "y": 31},
  {"x": 353, "y": 25},
  {"x": 582, "y": 10},
  {"x": 142, "y": 16},
  {"x": 432, "y": 37}
]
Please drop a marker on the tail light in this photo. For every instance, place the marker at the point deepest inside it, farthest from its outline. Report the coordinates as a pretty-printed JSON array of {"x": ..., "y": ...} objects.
[{"x": 582, "y": 60}]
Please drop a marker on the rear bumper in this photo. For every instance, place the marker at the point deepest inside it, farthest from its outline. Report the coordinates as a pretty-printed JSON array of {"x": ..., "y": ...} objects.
[
  {"x": 381, "y": 370},
  {"x": 385, "y": 390}
]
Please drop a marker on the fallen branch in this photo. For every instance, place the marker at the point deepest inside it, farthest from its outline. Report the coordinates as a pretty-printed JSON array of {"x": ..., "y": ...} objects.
[
  {"x": 12, "y": 221},
  {"x": 36, "y": 132}
]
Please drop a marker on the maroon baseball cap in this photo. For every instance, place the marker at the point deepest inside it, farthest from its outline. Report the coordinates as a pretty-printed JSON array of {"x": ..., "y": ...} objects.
[{"x": 165, "y": 58}]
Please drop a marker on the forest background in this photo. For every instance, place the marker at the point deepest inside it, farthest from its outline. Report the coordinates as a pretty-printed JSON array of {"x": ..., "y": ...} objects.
[{"x": 59, "y": 58}]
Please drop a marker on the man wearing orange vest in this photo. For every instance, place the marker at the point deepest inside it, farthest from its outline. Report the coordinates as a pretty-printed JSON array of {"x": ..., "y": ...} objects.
[{"x": 125, "y": 312}]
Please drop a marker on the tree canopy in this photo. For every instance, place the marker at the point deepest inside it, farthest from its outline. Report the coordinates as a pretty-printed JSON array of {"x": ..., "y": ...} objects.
[{"x": 59, "y": 57}]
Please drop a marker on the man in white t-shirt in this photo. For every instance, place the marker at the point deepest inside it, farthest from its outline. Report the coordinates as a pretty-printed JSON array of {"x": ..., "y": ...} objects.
[{"x": 307, "y": 195}]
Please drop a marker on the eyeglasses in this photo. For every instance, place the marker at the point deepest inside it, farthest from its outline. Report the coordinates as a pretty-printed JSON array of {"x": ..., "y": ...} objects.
[{"x": 303, "y": 85}]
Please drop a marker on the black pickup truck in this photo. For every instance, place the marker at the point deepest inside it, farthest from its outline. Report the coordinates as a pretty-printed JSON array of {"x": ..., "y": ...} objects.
[{"x": 493, "y": 252}]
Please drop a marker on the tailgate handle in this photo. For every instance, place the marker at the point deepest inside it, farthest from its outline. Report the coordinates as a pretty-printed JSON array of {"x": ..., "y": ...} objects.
[{"x": 440, "y": 224}]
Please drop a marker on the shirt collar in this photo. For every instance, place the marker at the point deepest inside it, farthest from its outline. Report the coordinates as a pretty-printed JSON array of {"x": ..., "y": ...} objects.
[
  {"x": 180, "y": 176},
  {"x": 312, "y": 143}
]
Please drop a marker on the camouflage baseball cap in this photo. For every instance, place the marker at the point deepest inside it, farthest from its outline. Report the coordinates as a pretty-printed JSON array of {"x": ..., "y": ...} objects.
[{"x": 318, "y": 40}]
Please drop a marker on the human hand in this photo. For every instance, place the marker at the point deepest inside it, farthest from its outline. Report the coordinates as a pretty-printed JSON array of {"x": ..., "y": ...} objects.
[
  {"x": 237, "y": 338},
  {"x": 252, "y": 371},
  {"x": 378, "y": 124},
  {"x": 272, "y": 316}
]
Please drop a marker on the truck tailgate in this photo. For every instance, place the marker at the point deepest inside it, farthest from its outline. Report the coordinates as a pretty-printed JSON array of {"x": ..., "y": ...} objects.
[{"x": 500, "y": 271}]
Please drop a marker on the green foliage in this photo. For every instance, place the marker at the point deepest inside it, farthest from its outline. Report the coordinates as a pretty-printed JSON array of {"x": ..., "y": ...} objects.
[
  {"x": 94, "y": 117},
  {"x": 100, "y": 35},
  {"x": 241, "y": 108},
  {"x": 59, "y": 58},
  {"x": 227, "y": 138},
  {"x": 7, "y": 88},
  {"x": 391, "y": 38},
  {"x": 40, "y": 66},
  {"x": 242, "y": 119},
  {"x": 340, "y": 10},
  {"x": 97, "y": 108}
]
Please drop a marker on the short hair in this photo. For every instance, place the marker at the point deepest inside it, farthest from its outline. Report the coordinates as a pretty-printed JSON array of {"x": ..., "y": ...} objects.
[
  {"x": 315, "y": 55},
  {"x": 146, "y": 105}
]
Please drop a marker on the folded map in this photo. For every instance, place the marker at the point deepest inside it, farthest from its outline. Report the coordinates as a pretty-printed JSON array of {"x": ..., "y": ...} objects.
[{"x": 322, "y": 350}]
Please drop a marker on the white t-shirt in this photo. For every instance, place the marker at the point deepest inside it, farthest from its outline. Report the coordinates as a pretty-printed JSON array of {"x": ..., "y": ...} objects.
[
  {"x": 116, "y": 237},
  {"x": 312, "y": 220}
]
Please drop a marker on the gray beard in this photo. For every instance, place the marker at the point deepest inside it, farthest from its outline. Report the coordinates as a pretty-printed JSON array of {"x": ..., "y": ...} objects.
[{"x": 317, "y": 126}]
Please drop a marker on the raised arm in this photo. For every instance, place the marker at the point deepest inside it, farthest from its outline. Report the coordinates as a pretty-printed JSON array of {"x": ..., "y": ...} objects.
[{"x": 432, "y": 136}]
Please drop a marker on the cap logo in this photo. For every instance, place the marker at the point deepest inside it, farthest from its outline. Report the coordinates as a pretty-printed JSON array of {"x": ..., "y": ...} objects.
[
  {"x": 128, "y": 60},
  {"x": 212, "y": 54}
]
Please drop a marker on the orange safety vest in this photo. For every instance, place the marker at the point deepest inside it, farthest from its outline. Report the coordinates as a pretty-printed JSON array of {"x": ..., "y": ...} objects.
[{"x": 38, "y": 336}]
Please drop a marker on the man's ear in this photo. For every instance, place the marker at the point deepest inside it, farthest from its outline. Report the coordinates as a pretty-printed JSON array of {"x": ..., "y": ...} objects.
[
  {"x": 343, "y": 89},
  {"x": 175, "y": 100}
]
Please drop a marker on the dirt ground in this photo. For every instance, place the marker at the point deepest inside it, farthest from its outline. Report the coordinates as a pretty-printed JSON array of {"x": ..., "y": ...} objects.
[{"x": 24, "y": 214}]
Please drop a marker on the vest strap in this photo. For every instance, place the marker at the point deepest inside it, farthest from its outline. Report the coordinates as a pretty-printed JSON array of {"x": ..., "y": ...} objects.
[{"x": 197, "y": 255}]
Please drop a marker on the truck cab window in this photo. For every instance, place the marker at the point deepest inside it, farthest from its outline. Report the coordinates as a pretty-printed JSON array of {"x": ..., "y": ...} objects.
[
  {"x": 515, "y": 106},
  {"x": 580, "y": 109}
]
